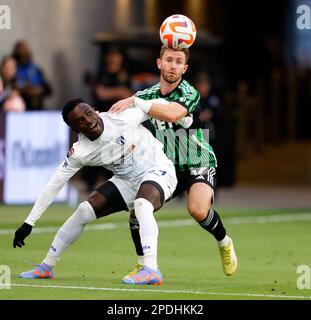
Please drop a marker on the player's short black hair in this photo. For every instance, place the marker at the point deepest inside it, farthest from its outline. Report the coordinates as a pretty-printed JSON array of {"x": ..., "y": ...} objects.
[{"x": 69, "y": 106}]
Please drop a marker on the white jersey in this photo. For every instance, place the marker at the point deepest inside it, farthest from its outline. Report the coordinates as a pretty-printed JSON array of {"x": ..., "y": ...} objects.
[{"x": 125, "y": 147}]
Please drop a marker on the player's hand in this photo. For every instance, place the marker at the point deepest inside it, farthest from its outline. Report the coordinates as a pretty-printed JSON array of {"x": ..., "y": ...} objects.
[
  {"x": 20, "y": 234},
  {"x": 185, "y": 122},
  {"x": 122, "y": 105}
]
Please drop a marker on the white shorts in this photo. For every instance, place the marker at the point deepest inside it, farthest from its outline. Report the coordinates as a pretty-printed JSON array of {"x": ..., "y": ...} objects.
[{"x": 163, "y": 175}]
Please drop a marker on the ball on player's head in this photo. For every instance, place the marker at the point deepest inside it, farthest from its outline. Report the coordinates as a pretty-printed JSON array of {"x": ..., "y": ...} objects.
[{"x": 177, "y": 32}]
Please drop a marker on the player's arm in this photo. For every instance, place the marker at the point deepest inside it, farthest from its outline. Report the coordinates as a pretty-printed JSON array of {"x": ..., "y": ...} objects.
[
  {"x": 157, "y": 108},
  {"x": 55, "y": 184}
]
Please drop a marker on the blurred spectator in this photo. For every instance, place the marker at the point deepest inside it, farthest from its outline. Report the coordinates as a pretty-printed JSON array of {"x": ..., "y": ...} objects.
[
  {"x": 10, "y": 99},
  {"x": 113, "y": 81},
  {"x": 209, "y": 102},
  {"x": 143, "y": 80},
  {"x": 217, "y": 116},
  {"x": 111, "y": 84},
  {"x": 30, "y": 78}
]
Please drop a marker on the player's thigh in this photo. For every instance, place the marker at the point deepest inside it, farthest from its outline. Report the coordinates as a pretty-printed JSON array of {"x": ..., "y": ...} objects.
[
  {"x": 107, "y": 199},
  {"x": 200, "y": 199}
]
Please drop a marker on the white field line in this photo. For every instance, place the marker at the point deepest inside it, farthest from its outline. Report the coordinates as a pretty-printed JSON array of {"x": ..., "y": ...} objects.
[
  {"x": 184, "y": 222},
  {"x": 255, "y": 295}
]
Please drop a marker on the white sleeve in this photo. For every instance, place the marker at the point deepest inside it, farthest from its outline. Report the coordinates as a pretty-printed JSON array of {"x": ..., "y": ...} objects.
[
  {"x": 145, "y": 105},
  {"x": 63, "y": 173}
]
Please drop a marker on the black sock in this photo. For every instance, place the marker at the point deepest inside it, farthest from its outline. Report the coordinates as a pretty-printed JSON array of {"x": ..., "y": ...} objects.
[
  {"x": 134, "y": 227},
  {"x": 212, "y": 223}
]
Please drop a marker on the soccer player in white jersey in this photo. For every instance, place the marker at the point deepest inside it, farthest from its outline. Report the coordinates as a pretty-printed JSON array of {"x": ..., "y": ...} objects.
[{"x": 143, "y": 179}]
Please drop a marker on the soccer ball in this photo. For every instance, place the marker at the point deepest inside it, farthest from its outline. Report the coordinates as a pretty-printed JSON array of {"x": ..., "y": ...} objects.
[{"x": 177, "y": 32}]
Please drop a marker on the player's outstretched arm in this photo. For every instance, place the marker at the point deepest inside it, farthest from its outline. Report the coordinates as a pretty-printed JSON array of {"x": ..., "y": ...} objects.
[
  {"x": 163, "y": 110},
  {"x": 156, "y": 108},
  {"x": 55, "y": 184}
]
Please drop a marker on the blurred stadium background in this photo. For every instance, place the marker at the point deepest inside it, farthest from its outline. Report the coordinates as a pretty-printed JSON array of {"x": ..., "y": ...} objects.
[{"x": 253, "y": 72}]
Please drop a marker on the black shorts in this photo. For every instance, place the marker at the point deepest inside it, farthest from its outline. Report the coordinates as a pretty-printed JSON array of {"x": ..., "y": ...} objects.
[
  {"x": 187, "y": 178},
  {"x": 113, "y": 196}
]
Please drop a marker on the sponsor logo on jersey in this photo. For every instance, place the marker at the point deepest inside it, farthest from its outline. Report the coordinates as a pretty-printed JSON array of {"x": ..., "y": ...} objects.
[
  {"x": 199, "y": 177},
  {"x": 120, "y": 140},
  {"x": 158, "y": 172}
]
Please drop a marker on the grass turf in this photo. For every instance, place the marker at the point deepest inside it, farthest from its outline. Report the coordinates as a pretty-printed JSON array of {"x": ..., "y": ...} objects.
[{"x": 268, "y": 256}]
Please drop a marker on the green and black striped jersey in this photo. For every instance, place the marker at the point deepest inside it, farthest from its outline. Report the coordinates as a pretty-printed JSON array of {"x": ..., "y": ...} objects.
[{"x": 187, "y": 148}]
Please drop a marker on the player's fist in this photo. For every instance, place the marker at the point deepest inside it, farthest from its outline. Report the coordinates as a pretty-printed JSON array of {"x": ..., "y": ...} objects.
[
  {"x": 185, "y": 122},
  {"x": 20, "y": 234}
]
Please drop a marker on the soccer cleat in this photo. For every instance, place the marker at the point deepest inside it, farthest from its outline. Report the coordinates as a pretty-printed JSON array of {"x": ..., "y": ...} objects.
[
  {"x": 228, "y": 258},
  {"x": 134, "y": 271},
  {"x": 145, "y": 276},
  {"x": 41, "y": 271}
]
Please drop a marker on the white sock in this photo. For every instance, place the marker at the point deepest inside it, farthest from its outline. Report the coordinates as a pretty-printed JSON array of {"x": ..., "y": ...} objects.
[
  {"x": 224, "y": 242},
  {"x": 148, "y": 231},
  {"x": 140, "y": 260},
  {"x": 69, "y": 232}
]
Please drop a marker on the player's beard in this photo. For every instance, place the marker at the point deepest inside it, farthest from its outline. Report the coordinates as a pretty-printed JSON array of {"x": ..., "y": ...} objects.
[{"x": 170, "y": 78}]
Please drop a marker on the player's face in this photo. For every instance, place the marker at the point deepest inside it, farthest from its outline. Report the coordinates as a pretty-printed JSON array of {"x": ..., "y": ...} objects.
[
  {"x": 83, "y": 119},
  {"x": 172, "y": 65}
]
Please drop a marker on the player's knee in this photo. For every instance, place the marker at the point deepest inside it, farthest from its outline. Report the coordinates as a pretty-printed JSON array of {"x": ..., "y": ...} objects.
[
  {"x": 154, "y": 201},
  {"x": 198, "y": 212},
  {"x": 143, "y": 205},
  {"x": 83, "y": 212}
]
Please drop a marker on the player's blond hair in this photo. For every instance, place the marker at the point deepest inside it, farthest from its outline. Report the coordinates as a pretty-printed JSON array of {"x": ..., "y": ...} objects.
[{"x": 184, "y": 50}]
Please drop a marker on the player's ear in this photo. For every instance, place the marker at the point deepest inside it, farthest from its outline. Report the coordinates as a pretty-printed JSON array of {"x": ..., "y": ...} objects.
[
  {"x": 159, "y": 63},
  {"x": 185, "y": 68}
]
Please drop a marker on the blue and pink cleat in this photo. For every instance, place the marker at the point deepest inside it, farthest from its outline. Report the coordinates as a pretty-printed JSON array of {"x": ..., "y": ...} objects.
[
  {"x": 41, "y": 271},
  {"x": 145, "y": 276}
]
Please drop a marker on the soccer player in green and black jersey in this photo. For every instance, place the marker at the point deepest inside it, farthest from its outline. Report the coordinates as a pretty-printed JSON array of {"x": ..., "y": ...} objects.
[{"x": 195, "y": 162}]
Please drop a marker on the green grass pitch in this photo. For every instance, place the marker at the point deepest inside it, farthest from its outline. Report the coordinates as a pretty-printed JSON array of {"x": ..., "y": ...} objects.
[{"x": 269, "y": 250}]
